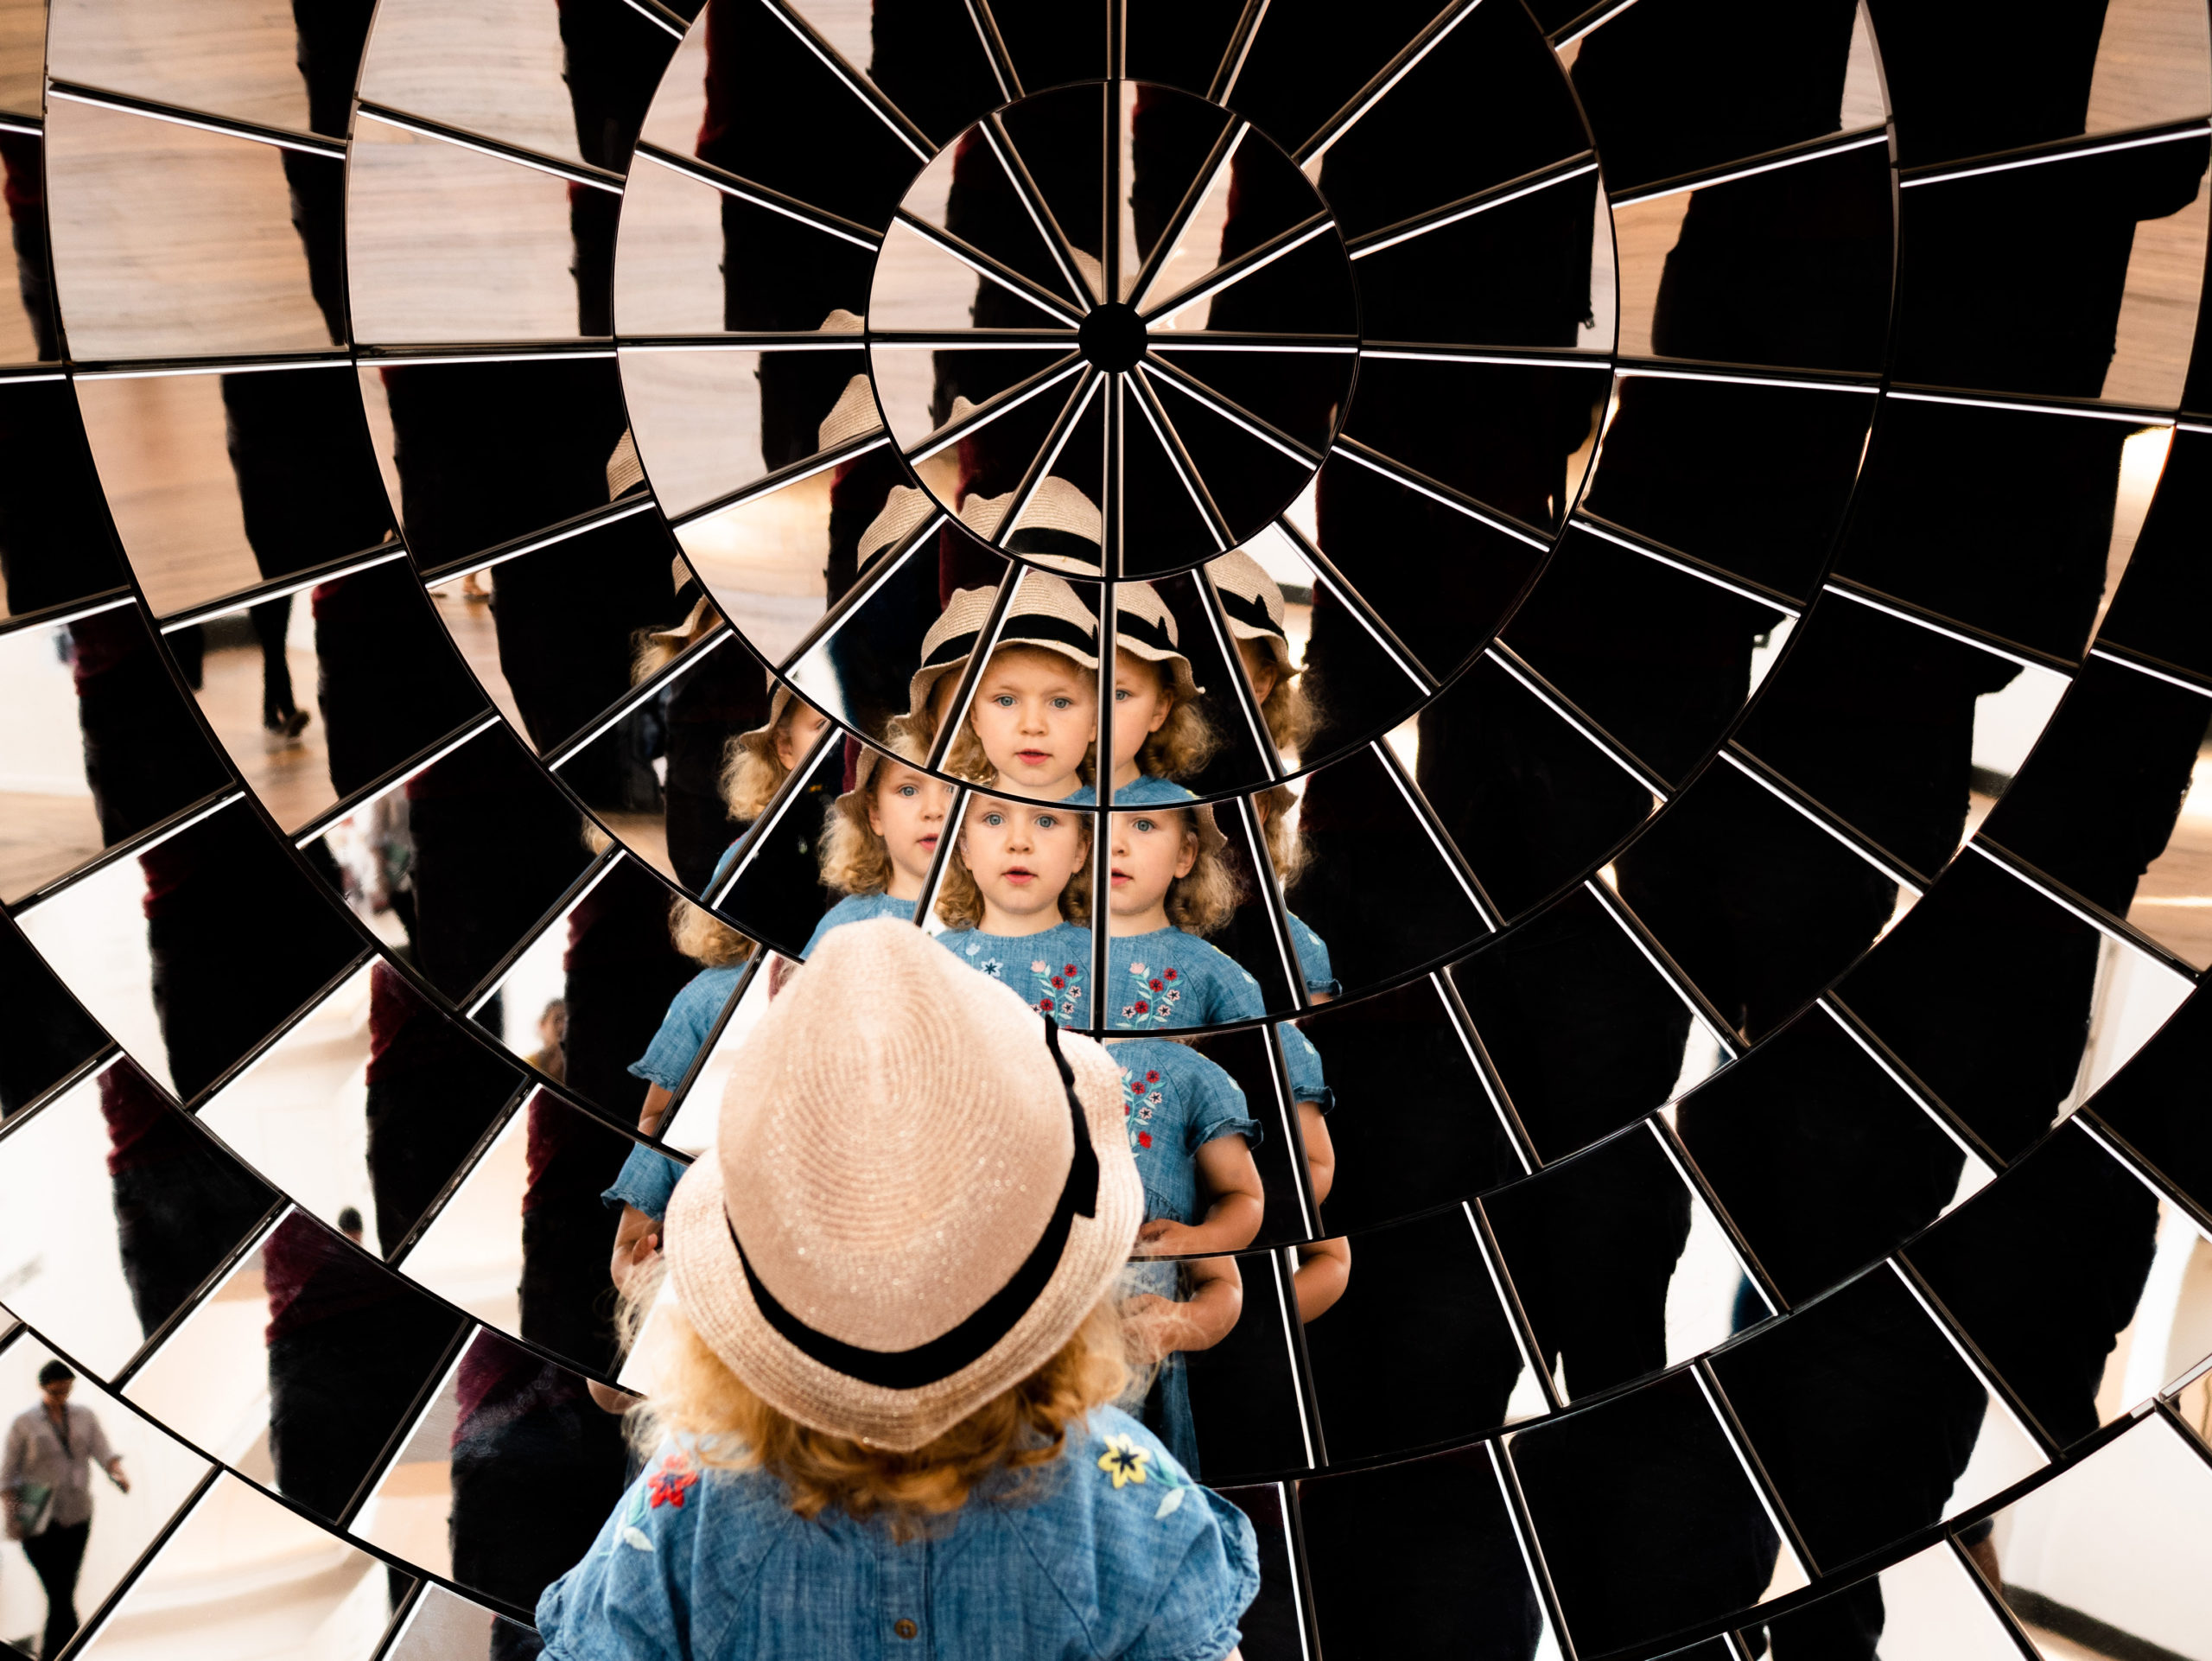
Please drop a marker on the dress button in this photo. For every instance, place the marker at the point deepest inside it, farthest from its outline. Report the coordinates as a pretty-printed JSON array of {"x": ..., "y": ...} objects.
[{"x": 904, "y": 1628}]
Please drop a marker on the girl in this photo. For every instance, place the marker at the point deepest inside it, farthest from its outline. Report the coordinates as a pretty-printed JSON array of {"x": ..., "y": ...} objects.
[
  {"x": 1192, "y": 1143},
  {"x": 1015, "y": 898},
  {"x": 867, "y": 1434},
  {"x": 1031, "y": 729},
  {"x": 882, "y": 838},
  {"x": 1273, "y": 808},
  {"x": 1159, "y": 735},
  {"x": 648, "y": 1176},
  {"x": 1254, "y": 607},
  {"x": 1171, "y": 884},
  {"x": 756, "y": 763}
]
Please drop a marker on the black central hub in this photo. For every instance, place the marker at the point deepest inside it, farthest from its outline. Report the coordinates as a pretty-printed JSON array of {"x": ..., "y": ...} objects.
[{"x": 1113, "y": 338}]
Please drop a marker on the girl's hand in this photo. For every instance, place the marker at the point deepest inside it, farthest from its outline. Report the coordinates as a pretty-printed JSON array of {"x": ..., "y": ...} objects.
[
  {"x": 1164, "y": 1236},
  {"x": 115, "y": 1473},
  {"x": 637, "y": 1243},
  {"x": 1155, "y": 1326}
]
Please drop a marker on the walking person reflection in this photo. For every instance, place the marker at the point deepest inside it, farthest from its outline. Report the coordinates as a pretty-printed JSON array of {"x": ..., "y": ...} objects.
[{"x": 47, "y": 1479}]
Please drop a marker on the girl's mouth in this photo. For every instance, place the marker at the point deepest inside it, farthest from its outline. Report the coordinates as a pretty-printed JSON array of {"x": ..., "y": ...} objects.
[
  {"x": 1120, "y": 878},
  {"x": 1034, "y": 757},
  {"x": 1021, "y": 874}
]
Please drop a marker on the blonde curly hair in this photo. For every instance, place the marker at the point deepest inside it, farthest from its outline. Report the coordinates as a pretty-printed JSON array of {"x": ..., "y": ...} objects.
[
  {"x": 1185, "y": 741},
  {"x": 960, "y": 902},
  {"x": 751, "y": 770},
  {"x": 1289, "y": 712},
  {"x": 1287, "y": 850},
  {"x": 1200, "y": 901},
  {"x": 704, "y": 938},
  {"x": 995, "y": 1449},
  {"x": 853, "y": 858}
]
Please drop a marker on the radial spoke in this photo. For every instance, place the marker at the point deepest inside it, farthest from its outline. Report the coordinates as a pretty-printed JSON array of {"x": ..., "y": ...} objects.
[
  {"x": 1379, "y": 87},
  {"x": 732, "y": 184},
  {"x": 1004, "y": 404},
  {"x": 1062, "y": 250},
  {"x": 1222, "y": 155},
  {"x": 857, "y": 84},
  {"x": 1048, "y": 454},
  {"x": 1234, "y": 414},
  {"x": 984, "y": 265},
  {"x": 1242, "y": 267}
]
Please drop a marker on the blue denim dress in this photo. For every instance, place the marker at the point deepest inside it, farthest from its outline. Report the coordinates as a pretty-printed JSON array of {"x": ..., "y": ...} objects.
[
  {"x": 858, "y": 908},
  {"x": 1051, "y": 970},
  {"x": 1313, "y": 965},
  {"x": 1144, "y": 791},
  {"x": 1110, "y": 1553},
  {"x": 648, "y": 1178},
  {"x": 1175, "y": 1101}
]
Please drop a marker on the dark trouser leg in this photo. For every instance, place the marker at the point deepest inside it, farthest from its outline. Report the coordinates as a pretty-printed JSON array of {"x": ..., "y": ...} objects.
[
  {"x": 271, "y": 619},
  {"x": 57, "y": 1555}
]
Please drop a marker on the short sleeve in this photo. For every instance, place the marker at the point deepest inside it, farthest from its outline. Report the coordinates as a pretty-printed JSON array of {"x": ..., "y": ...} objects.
[
  {"x": 1217, "y": 1106},
  {"x": 647, "y": 1181},
  {"x": 1211, "y": 1585},
  {"x": 629, "y": 1598},
  {"x": 1313, "y": 965},
  {"x": 1307, "y": 1083},
  {"x": 690, "y": 1017},
  {"x": 1236, "y": 995}
]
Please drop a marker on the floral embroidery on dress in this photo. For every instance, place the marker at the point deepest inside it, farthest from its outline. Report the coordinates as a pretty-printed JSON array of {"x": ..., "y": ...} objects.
[
  {"x": 1157, "y": 994},
  {"x": 1140, "y": 1099},
  {"x": 669, "y": 1483},
  {"x": 1057, "y": 989},
  {"x": 1126, "y": 1462}
]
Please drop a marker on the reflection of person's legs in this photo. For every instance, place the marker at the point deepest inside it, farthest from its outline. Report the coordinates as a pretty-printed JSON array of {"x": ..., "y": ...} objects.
[
  {"x": 57, "y": 1555},
  {"x": 559, "y": 1462},
  {"x": 272, "y": 618}
]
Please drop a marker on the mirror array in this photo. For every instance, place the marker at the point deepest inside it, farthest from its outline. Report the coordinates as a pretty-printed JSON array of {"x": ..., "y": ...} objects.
[{"x": 1600, "y": 592}]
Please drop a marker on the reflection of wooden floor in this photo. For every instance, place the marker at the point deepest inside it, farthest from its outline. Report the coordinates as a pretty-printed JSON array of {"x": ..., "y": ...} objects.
[
  {"x": 42, "y": 837},
  {"x": 293, "y": 784}
]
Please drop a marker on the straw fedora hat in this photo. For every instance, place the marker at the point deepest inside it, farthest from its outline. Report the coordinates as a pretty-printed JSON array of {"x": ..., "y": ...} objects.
[
  {"x": 1046, "y": 611},
  {"x": 1144, "y": 628},
  {"x": 856, "y": 1268},
  {"x": 1060, "y": 527},
  {"x": 1253, "y": 604}
]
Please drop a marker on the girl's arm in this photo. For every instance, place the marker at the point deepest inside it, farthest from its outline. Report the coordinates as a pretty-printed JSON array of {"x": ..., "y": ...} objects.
[
  {"x": 1227, "y": 1171},
  {"x": 1320, "y": 1152},
  {"x": 657, "y": 1101},
  {"x": 1324, "y": 1268},
  {"x": 1164, "y": 1326}
]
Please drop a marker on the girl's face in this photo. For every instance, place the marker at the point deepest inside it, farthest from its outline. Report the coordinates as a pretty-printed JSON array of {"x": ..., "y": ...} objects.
[
  {"x": 907, "y": 810},
  {"x": 1142, "y": 704},
  {"x": 1149, "y": 850},
  {"x": 1022, "y": 858},
  {"x": 800, "y": 730},
  {"x": 1036, "y": 713},
  {"x": 1259, "y": 668}
]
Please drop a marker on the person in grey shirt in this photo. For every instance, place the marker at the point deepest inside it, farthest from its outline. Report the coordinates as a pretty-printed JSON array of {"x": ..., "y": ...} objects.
[{"x": 46, "y": 1482}]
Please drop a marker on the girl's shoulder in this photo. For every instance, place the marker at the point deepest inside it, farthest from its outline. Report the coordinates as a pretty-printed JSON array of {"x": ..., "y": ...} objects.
[
  {"x": 1131, "y": 1539},
  {"x": 1147, "y": 790}
]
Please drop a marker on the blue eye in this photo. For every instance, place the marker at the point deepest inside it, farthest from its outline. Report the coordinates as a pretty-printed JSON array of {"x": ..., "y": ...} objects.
[{"x": 1046, "y": 822}]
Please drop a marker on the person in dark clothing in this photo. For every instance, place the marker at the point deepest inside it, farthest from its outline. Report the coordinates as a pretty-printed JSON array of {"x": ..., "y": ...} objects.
[{"x": 46, "y": 1485}]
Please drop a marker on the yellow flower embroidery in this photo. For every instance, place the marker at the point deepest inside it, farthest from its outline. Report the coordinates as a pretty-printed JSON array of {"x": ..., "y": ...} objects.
[{"x": 1124, "y": 1461}]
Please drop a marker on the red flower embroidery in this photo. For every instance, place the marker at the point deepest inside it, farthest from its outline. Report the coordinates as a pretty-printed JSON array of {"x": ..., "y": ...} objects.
[
  {"x": 1152, "y": 1075},
  {"x": 1071, "y": 969},
  {"x": 1045, "y": 1004},
  {"x": 1156, "y": 985},
  {"x": 1171, "y": 974},
  {"x": 1141, "y": 1006},
  {"x": 1144, "y": 1140},
  {"x": 1059, "y": 980},
  {"x": 669, "y": 1483}
]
